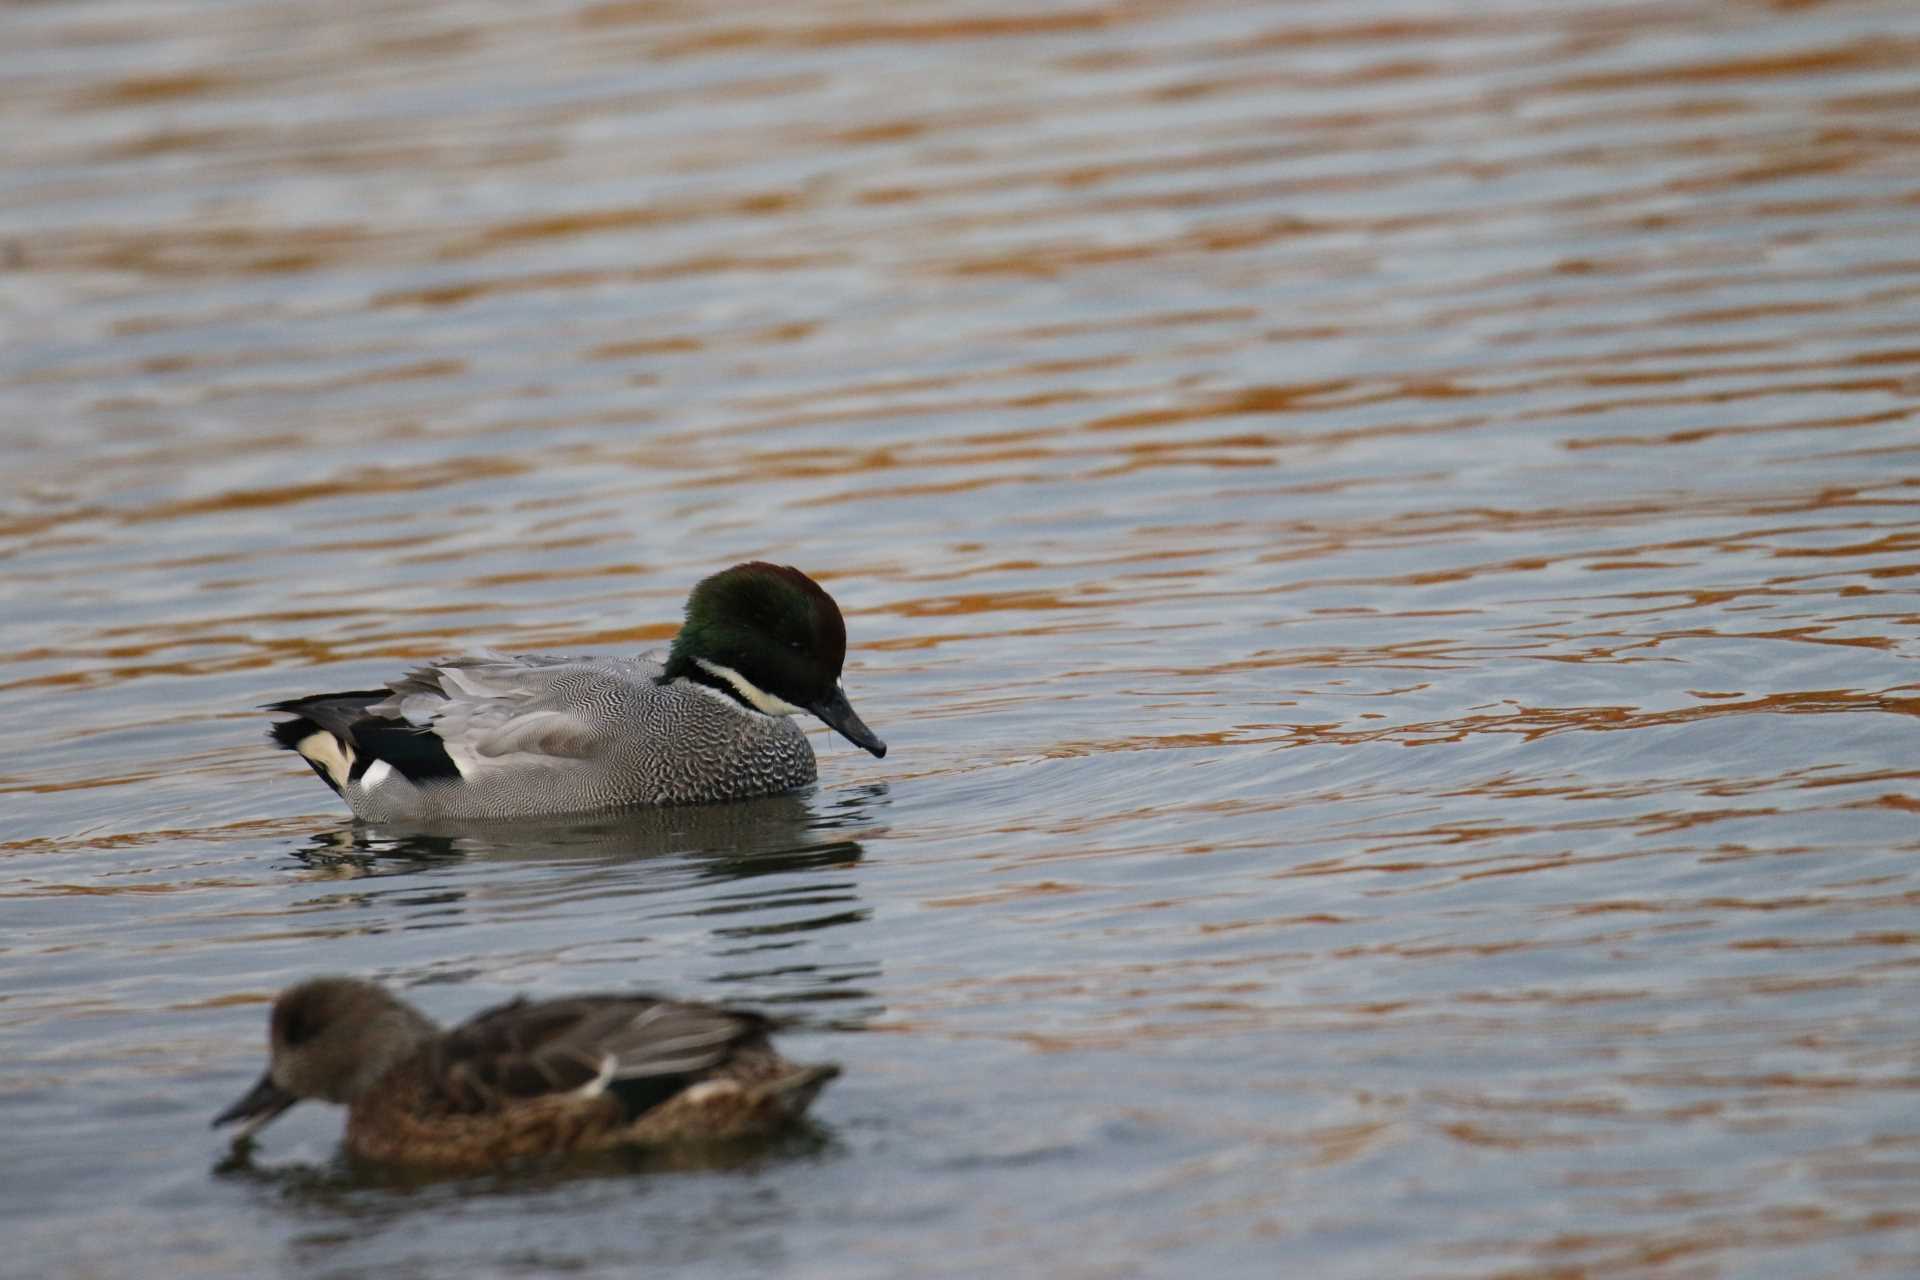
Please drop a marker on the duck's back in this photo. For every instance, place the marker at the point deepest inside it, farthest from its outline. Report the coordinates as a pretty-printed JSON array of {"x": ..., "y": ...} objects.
[
  {"x": 535, "y": 736},
  {"x": 534, "y": 1078}
]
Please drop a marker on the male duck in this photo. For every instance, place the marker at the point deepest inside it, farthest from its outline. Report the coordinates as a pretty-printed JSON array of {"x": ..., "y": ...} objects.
[
  {"x": 525, "y": 1079},
  {"x": 529, "y": 736}
]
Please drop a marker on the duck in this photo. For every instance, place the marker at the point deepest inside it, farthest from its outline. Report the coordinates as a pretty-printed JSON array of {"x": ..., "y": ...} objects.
[
  {"x": 523, "y": 1080},
  {"x": 533, "y": 736}
]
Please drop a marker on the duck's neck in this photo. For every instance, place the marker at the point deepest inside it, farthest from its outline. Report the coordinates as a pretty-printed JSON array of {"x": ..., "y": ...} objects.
[
  {"x": 683, "y": 664},
  {"x": 398, "y": 1032}
]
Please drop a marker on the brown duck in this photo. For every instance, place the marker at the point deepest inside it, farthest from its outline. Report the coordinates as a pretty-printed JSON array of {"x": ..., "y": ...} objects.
[{"x": 529, "y": 1078}]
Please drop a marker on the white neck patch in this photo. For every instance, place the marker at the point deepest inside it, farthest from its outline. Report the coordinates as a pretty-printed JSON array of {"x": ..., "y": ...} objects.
[{"x": 758, "y": 698}]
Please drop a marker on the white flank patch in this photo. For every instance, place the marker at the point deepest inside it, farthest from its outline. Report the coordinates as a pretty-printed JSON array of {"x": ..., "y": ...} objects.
[
  {"x": 753, "y": 693},
  {"x": 710, "y": 1089},
  {"x": 598, "y": 1085},
  {"x": 377, "y": 772},
  {"x": 331, "y": 754}
]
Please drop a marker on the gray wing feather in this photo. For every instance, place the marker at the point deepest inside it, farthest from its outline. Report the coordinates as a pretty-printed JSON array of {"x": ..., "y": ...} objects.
[
  {"x": 555, "y": 735},
  {"x": 491, "y": 712},
  {"x": 667, "y": 1038},
  {"x": 675, "y": 1038},
  {"x": 581, "y": 1044}
]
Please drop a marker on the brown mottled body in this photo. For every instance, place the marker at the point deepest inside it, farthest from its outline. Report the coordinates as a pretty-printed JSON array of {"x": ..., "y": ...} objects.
[
  {"x": 525, "y": 1079},
  {"x": 406, "y": 1120}
]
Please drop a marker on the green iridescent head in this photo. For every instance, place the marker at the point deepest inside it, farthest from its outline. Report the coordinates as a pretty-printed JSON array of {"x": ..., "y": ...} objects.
[{"x": 770, "y": 637}]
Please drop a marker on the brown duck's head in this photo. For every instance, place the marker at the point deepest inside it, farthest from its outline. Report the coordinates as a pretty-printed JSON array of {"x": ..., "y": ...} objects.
[{"x": 331, "y": 1039}]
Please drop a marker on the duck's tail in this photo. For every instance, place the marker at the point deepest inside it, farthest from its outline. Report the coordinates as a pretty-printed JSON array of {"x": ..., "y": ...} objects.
[
  {"x": 321, "y": 732},
  {"x": 793, "y": 1093}
]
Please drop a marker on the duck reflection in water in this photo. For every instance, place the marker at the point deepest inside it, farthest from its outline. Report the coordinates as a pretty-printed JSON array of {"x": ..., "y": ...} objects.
[{"x": 747, "y": 838}]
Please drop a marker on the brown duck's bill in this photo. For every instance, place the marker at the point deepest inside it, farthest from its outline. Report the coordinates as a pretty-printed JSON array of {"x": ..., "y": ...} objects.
[
  {"x": 840, "y": 716},
  {"x": 261, "y": 1105}
]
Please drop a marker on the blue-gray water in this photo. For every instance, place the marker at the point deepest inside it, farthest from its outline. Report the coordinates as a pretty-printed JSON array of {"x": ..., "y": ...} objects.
[{"x": 1382, "y": 538}]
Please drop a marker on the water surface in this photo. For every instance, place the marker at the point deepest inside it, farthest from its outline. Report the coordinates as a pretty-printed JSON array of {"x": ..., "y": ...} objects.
[{"x": 1382, "y": 540}]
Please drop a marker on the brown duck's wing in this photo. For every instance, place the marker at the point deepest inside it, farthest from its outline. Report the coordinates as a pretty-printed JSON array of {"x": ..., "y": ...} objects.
[{"x": 642, "y": 1049}]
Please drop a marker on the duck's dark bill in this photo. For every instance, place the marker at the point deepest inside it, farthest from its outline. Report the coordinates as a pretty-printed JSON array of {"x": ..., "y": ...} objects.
[
  {"x": 258, "y": 1108},
  {"x": 839, "y": 715}
]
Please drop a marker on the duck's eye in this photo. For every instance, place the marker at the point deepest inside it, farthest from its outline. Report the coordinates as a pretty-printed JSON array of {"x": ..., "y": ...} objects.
[{"x": 297, "y": 1025}]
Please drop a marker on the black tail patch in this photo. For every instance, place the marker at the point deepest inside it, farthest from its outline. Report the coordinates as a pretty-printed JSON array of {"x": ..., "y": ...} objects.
[
  {"x": 290, "y": 733},
  {"x": 416, "y": 752},
  {"x": 643, "y": 1093}
]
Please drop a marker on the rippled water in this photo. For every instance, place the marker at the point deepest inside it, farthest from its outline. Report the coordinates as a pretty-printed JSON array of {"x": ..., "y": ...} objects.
[{"x": 1383, "y": 539}]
